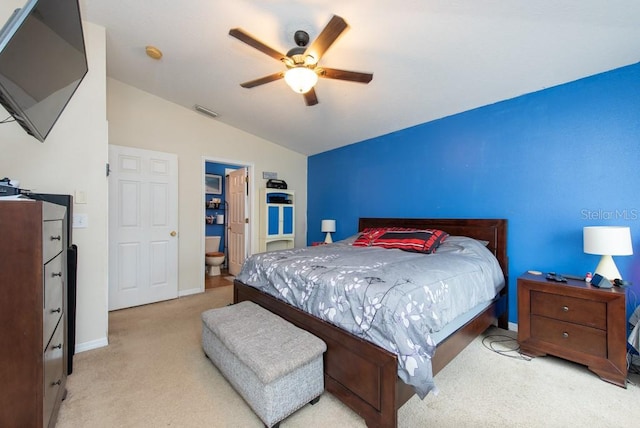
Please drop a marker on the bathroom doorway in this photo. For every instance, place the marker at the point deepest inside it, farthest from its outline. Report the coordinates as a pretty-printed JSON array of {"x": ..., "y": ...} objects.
[{"x": 221, "y": 205}]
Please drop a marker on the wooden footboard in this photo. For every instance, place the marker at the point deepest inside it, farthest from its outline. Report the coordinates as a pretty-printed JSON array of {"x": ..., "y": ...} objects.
[
  {"x": 360, "y": 374},
  {"x": 364, "y": 376}
]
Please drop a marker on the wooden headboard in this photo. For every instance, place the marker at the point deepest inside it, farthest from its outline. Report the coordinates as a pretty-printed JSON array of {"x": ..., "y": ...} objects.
[{"x": 493, "y": 231}]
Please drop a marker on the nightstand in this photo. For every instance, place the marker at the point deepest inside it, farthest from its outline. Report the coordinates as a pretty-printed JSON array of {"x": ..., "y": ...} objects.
[{"x": 575, "y": 321}]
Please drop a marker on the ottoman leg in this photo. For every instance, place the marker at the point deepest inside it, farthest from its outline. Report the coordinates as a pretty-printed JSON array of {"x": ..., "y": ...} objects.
[{"x": 315, "y": 400}]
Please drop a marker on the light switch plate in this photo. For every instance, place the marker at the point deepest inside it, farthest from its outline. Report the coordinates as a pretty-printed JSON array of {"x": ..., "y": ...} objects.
[{"x": 80, "y": 197}]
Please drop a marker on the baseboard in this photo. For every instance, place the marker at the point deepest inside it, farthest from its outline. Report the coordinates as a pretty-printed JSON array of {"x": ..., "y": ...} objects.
[
  {"x": 513, "y": 326},
  {"x": 94, "y": 344},
  {"x": 191, "y": 291}
]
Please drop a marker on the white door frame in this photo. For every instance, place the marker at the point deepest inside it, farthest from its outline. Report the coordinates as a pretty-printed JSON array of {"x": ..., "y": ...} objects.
[{"x": 250, "y": 208}]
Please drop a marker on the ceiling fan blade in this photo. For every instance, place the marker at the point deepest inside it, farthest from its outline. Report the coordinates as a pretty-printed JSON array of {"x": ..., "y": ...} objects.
[
  {"x": 263, "y": 80},
  {"x": 255, "y": 43},
  {"x": 310, "y": 98},
  {"x": 352, "y": 76},
  {"x": 327, "y": 36}
]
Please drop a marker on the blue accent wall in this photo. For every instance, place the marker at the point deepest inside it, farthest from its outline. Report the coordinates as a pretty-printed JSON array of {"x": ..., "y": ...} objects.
[{"x": 550, "y": 162}]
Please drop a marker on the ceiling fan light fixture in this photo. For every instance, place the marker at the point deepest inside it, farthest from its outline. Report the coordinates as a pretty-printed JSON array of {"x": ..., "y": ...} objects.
[{"x": 301, "y": 79}]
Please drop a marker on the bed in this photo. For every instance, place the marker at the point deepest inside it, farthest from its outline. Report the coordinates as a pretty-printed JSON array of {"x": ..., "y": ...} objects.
[{"x": 364, "y": 375}]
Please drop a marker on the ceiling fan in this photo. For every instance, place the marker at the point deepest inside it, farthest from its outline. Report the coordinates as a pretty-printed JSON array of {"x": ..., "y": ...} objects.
[{"x": 302, "y": 61}]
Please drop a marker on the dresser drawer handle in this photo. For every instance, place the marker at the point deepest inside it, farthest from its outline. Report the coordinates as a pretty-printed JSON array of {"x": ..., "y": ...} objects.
[
  {"x": 53, "y": 311},
  {"x": 58, "y": 346},
  {"x": 565, "y": 334},
  {"x": 56, "y": 238},
  {"x": 57, "y": 383},
  {"x": 565, "y": 309},
  {"x": 54, "y": 274}
]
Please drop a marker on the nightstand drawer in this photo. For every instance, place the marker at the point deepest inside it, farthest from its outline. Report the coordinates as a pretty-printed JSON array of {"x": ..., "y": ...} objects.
[
  {"x": 570, "y": 309},
  {"x": 591, "y": 341},
  {"x": 576, "y": 321}
]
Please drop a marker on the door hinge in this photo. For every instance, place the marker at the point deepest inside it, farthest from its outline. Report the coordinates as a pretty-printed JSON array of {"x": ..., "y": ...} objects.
[
  {"x": 107, "y": 169},
  {"x": 246, "y": 220}
]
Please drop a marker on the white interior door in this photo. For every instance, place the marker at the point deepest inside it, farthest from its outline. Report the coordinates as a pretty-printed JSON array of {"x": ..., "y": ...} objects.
[
  {"x": 143, "y": 220},
  {"x": 237, "y": 219}
]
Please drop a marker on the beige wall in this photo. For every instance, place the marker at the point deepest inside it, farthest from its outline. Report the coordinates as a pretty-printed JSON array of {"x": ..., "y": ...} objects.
[
  {"x": 75, "y": 154},
  {"x": 138, "y": 119},
  {"x": 73, "y": 159}
]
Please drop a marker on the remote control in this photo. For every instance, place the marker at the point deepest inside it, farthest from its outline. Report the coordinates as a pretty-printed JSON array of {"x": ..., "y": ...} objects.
[{"x": 577, "y": 278}]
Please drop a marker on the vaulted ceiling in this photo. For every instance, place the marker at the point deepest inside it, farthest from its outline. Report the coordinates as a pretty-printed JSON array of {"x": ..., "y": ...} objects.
[{"x": 429, "y": 58}]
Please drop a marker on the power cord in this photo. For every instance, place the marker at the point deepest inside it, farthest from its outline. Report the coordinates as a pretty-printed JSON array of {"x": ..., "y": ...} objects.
[
  {"x": 8, "y": 119},
  {"x": 504, "y": 345},
  {"x": 631, "y": 368}
]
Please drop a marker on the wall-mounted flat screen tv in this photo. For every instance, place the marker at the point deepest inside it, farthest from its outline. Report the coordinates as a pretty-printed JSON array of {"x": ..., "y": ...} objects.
[{"x": 42, "y": 62}]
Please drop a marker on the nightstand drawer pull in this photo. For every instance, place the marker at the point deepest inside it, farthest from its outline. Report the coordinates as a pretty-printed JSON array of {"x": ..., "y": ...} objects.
[
  {"x": 565, "y": 309},
  {"x": 565, "y": 334}
]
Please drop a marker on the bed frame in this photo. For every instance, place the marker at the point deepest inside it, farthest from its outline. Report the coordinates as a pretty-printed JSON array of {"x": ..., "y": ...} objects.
[{"x": 364, "y": 376}]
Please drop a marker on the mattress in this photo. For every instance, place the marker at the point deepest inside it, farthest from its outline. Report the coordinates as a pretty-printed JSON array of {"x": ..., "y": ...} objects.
[{"x": 399, "y": 300}]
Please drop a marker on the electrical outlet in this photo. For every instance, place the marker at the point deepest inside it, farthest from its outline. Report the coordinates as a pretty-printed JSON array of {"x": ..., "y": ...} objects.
[{"x": 80, "y": 221}]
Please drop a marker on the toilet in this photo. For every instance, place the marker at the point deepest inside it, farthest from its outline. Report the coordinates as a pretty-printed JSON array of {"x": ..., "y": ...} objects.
[{"x": 213, "y": 258}]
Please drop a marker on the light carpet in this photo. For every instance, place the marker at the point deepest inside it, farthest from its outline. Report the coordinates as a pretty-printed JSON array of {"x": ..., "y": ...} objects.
[{"x": 155, "y": 374}]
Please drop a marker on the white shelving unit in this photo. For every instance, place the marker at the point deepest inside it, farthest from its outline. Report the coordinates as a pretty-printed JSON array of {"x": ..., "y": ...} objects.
[{"x": 277, "y": 219}]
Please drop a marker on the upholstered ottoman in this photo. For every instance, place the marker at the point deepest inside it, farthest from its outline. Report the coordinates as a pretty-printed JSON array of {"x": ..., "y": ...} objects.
[{"x": 275, "y": 366}]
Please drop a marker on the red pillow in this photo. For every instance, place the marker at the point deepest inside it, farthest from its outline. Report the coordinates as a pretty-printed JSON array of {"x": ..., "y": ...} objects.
[
  {"x": 368, "y": 235},
  {"x": 416, "y": 240}
]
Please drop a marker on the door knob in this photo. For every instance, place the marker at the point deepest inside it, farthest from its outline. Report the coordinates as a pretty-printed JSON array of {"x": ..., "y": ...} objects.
[{"x": 173, "y": 233}]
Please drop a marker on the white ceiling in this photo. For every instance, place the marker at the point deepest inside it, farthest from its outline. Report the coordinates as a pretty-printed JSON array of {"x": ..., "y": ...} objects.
[{"x": 429, "y": 58}]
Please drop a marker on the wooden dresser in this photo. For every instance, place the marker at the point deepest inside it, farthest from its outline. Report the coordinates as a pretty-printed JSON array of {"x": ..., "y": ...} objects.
[
  {"x": 575, "y": 321},
  {"x": 32, "y": 312}
]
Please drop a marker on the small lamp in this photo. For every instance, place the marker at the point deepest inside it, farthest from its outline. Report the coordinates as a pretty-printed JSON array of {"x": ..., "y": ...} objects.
[
  {"x": 607, "y": 241},
  {"x": 328, "y": 227}
]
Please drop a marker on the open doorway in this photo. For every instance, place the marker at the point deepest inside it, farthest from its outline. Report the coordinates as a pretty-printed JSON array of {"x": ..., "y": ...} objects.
[{"x": 226, "y": 231}]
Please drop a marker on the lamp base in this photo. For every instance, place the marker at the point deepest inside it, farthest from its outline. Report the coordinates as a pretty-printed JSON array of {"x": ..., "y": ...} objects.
[
  {"x": 327, "y": 239},
  {"x": 607, "y": 268}
]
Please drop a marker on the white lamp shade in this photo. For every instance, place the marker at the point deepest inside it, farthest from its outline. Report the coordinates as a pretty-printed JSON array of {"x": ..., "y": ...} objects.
[
  {"x": 607, "y": 240},
  {"x": 301, "y": 79},
  {"x": 328, "y": 226}
]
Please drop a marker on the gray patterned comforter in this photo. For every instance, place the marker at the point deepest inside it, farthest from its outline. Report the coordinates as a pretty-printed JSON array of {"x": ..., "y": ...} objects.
[{"x": 392, "y": 298}]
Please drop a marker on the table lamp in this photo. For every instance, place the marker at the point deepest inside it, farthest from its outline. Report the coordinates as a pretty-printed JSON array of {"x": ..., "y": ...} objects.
[
  {"x": 607, "y": 241},
  {"x": 328, "y": 227}
]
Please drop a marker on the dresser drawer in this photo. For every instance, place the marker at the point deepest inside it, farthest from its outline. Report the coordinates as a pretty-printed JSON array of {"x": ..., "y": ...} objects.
[
  {"x": 51, "y": 239},
  {"x": 570, "y": 309},
  {"x": 53, "y": 371},
  {"x": 53, "y": 295},
  {"x": 579, "y": 338}
]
